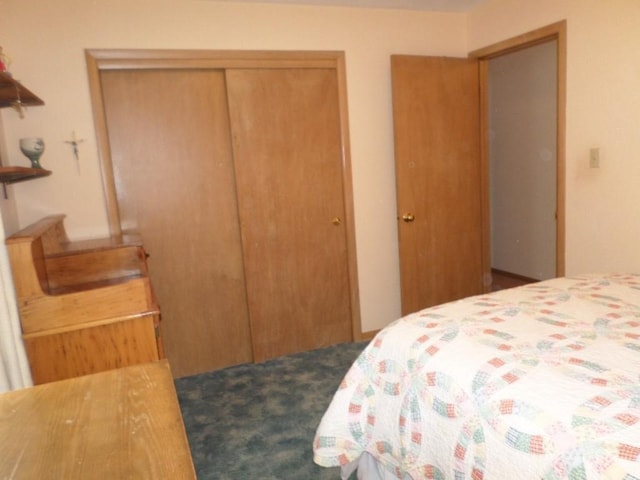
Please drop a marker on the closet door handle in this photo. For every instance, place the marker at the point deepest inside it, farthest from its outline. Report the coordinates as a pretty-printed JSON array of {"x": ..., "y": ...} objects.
[
  {"x": 336, "y": 221},
  {"x": 408, "y": 217}
]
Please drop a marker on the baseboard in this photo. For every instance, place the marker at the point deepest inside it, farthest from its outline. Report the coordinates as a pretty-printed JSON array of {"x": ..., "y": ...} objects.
[
  {"x": 515, "y": 276},
  {"x": 367, "y": 336}
]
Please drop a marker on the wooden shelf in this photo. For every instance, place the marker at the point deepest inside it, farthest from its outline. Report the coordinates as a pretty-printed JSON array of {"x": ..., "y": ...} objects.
[
  {"x": 12, "y": 92},
  {"x": 9, "y": 175},
  {"x": 20, "y": 174}
]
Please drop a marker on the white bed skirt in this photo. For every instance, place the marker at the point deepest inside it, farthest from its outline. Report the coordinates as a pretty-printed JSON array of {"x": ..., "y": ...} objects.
[{"x": 368, "y": 469}]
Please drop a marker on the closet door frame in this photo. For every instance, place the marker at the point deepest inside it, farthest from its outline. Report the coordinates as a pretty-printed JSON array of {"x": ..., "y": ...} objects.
[{"x": 107, "y": 59}]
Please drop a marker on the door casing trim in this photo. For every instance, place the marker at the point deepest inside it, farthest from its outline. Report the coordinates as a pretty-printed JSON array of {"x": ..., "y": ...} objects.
[{"x": 558, "y": 32}]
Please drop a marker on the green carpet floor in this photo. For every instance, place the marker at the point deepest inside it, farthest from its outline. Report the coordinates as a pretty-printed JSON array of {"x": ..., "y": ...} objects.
[{"x": 257, "y": 421}]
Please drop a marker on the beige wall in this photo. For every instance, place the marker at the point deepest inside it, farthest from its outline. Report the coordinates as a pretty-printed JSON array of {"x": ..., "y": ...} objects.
[
  {"x": 46, "y": 41},
  {"x": 603, "y": 110}
]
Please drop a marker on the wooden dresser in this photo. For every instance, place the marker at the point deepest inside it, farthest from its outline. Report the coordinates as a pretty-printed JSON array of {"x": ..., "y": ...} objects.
[
  {"x": 120, "y": 424},
  {"x": 85, "y": 306}
]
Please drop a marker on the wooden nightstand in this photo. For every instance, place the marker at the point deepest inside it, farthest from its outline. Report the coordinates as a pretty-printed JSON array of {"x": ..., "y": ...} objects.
[{"x": 85, "y": 307}]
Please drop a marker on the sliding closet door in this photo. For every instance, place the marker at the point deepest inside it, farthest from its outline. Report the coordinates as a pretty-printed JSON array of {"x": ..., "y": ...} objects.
[
  {"x": 173, "y": 170},
  {"x": 286, "y": 135}
]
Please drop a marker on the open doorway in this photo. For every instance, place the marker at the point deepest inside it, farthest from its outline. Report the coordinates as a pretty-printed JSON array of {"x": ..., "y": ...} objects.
[
  {"x": 523, "y": 124},
  {"x": 522, "y": 97}
]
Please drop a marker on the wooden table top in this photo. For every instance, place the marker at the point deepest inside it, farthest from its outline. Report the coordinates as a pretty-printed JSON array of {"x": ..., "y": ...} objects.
[{"x": 119, "y": 424}]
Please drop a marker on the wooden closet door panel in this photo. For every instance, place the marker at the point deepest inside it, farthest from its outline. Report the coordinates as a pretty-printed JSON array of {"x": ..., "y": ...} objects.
[
  {"x": 287, "y": 150},
  {"x": 172, "y": 162}
]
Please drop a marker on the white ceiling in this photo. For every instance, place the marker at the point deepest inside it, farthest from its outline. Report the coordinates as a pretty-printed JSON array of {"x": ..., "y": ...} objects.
[{"x": 431, "y": 5}]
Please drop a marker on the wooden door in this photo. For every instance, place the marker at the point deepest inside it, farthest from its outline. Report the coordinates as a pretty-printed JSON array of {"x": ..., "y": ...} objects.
[
  {"x": 169, "y": 138},
  {"x": 438, "y": 178},
  {"x": 285, "y": 126}
]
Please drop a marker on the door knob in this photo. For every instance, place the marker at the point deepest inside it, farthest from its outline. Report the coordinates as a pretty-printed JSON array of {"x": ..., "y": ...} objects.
[
  {"x": 336, "y": 221},
  {"x": 408, "y": 217}
]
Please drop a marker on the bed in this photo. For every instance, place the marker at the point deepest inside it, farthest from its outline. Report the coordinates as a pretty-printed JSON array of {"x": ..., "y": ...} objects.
[{"x": 534, "y": 382}]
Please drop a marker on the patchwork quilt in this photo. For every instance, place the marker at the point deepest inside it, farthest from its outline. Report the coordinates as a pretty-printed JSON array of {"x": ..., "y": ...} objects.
[{"x": 535, "y": 382}]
